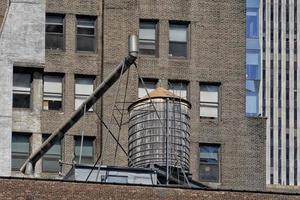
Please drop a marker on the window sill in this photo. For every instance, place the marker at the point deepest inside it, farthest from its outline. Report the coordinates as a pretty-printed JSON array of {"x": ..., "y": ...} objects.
[
  {"x": 210, "y": 119},
  {"x": 214, "y": 185},
  {"x": 22, "y": 109},
  {"x": 148, "y": 56},
  {"x": 178, "y": 58},
  {"x": 54, "y": 111},
  {"x": 86, "y": 53},
  {"x": 55, "y": 51}
]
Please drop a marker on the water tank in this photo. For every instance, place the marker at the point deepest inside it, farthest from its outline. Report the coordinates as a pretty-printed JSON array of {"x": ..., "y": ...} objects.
[{"x": 159, "y": 131}]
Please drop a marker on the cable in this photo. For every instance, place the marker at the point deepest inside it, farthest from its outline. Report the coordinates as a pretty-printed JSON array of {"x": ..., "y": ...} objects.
[
  {"x": 100, "y": 156},
  {"x": 122, "y": 114}
]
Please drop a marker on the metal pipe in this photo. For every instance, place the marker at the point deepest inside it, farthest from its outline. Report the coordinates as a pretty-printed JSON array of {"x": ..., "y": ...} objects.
[
  {"x": 167, "y": 140},
  {"x": 86, "y": 105}
]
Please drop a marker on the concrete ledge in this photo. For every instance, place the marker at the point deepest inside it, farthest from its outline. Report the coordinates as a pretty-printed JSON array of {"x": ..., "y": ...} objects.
[{"x": 24, "y": 188}]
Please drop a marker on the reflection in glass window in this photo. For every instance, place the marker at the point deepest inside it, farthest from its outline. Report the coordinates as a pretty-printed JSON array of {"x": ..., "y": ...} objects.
[
  {"x": 178, "y": 40},
  {"x": 252, "y": 60},
  {"x": 147, "y": 37},
  {"x": 20, "y": 150},
  {"x": 150, "y": 85},
  {"x": 209, "y": 100},
  {"x": 52, "y": 98},
  {"x": 84, "y": 87},
  {"x": 21, "y": 90},
  {"x": 209, "y": 162},
  {"x": 87, "y": 151},
  {"x": 54, "y": 31},
  {"x": 252, "y": 24},
  {"x": 86, "y": 33},
  {"x": 50, "y": 162},
  {"x": 178, "y": 88}
]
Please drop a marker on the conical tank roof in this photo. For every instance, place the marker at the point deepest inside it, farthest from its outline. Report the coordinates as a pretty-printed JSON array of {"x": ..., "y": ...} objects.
[{"x": 160, "y": 92}]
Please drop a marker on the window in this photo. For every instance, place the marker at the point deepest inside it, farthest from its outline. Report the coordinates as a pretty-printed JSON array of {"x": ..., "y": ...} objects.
[
  {"x": 209, "y": 170},
  {"x": 252, "y": 23},
  {"x": 52, "y": 92},
  {"x": 209, "y": 100},
  {"x": 178, "y": 88},
  {"x": 87, "y": 155},
  {"x": 150, "y": 85},
  {"x": 20, "y": 150},
  {"x": 253, "y": 69},
  {"x": 86, "y": 33},
  {"x": 51, "y": 159},
  {"x": 178, "y": 40},
  {"x": 21, "y": 90},
  {"x": 54, "y": 31},
  {"x": 84, "y": 87},
  {"x": 147, "y": 37}
]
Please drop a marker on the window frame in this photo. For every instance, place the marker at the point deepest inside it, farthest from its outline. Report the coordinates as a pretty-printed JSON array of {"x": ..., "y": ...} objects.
[
  {"x": 93, "y": 138},
  {"x": 94, "y": 86},
  {"x": 256, "y": 10},
  {"x": 153, "y": 80},
  {"x": 62, "y": 76},
  {"x": 188, "y": 38},
  {"x": 63, "y": 33},
  {"x": 95, "y": 18},
  {"x": 29, "y": 135},
  {"x": 156, "y": 34},
  {"x": 218, "y": 103},
  {"x": 44, "y": 138},
  {"x": 24, "y": 71},
  {"x": 185, "y": 82},
  {"x": 219, "y": 146}
]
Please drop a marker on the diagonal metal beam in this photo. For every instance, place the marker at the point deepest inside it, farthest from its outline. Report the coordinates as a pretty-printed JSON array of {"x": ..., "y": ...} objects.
[{"x": 59, "y": 133}]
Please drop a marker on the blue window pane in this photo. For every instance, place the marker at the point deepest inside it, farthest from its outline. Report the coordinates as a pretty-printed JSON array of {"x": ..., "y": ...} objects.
[
  {"x": 252, "y": 58},
  {"x": 251, "y": 104},
  {"x": 209, "y": 154},
  {"x": 252, "y": 3},
  {"x": 253, "y": 72},
  {"x": 252, "y": 24},
  {"x": 252, "y": 86}
]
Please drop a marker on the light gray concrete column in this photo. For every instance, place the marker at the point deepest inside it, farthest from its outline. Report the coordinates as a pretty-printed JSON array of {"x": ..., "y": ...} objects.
[{"x": 22, "y": 40}]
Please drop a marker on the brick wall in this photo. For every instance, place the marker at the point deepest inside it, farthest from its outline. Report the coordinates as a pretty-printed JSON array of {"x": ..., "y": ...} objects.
[
  {"x": 216, "y": 54},
  {"x": 22, "y": 189}
]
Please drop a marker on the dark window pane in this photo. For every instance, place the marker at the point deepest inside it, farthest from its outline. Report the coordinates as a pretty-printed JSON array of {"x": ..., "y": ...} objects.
[
  {"x": 86, "y": 31},
  {"x": 178, "y": 40},
  {"x": 51, "y": 164},
  {"x": 54, "y": 31},
  {"x": 147, "y": 37},
  {"x": 178, "y": 49},
  {"x": 209, "y": 163},
  {"x": 147, "y": 47},
  {"x": 20, "y": 150},
  {"x": 51, "y": 159},
  {"x": 54, "y": 105},
  {"x": 87, "y": 155},
  {"x": 21, "y": 100},
  {"x": 85, "y": 43},
  {"x": 50, "y": 28},
  {"x": 54, "y": 41},
  {"x": 209, "y": 173},
  {"x": 54, "y": 18}
]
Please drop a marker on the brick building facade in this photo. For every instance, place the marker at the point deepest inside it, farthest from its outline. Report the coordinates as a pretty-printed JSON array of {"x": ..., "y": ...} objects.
[
  {"x": 41, "y": 189},
  {"x": 215, "y": 55}
]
